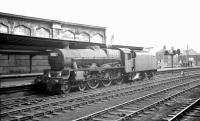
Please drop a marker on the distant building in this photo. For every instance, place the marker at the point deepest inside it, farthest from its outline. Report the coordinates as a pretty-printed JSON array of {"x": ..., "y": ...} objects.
[{"x": 189, "y": 58}]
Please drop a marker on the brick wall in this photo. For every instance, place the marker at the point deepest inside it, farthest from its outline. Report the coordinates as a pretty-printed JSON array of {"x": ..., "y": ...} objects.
[
  {"x": 39, "y": 63},
  {"x": 21, "y": 64}
]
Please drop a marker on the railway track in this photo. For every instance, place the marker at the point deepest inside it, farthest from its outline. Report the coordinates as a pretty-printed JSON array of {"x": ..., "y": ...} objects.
[
  {"x": 24, "y": 91},
  {"x": 138, "y": 107},
  {"x": 189, "y": 111},
  {"x": 62, "y": 105},
  {"x": 33, "y": 99},
  {"x": 29, "y": 88}
]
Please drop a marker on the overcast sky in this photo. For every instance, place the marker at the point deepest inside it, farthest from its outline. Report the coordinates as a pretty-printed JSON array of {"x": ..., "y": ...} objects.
[{"x": 147, "y": 23}]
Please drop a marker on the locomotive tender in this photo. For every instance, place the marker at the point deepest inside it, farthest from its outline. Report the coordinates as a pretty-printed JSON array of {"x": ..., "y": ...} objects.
[{"x": 89, "y": 68}]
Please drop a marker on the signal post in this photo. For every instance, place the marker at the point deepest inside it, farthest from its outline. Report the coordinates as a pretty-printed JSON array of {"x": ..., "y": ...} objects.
[{"x": 172, "y": 53}]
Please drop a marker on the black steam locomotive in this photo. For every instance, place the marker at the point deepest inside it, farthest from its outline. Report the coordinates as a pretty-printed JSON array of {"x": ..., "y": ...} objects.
[{"x": 89, "y": 68}]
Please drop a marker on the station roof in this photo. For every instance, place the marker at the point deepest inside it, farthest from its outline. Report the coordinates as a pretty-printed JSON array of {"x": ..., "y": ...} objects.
[
  {"x": 123, "y": 46},
  {"x": 35, "y": 45},
  {"x": 48, "y": 20},
  {"x": 26, "y": 44}
]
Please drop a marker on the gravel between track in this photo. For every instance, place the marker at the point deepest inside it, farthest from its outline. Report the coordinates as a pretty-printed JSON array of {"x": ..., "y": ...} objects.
[
  {"x": 71, "y": 115},
  {"x": 166, "y": 109}
]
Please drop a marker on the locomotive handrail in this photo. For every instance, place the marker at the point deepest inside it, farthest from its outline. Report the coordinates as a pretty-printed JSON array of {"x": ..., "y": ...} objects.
[
  {"x": 97, "y": 68},
  {"x": 92, "y": 58}
]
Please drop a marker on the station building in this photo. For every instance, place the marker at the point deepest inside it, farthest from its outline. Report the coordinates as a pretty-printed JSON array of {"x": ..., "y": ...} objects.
[
  {"x": 187, "y": 58},
  {"x": 26, "y": 41}
]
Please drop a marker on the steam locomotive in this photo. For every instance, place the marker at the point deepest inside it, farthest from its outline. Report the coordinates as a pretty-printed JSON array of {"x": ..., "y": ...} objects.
[{"x": 94, "y": 66}]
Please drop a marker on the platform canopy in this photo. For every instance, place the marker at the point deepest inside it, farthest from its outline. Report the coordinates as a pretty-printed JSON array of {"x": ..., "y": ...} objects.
[
  {"x": 124, "y": 46},
  {"x": 26, "y": 44}
]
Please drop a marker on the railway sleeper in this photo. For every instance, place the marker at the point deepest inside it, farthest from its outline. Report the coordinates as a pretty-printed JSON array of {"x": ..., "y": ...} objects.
[
  {"x": 47, "y": 105},
  {"x": 47, "y": 116},
  {"x": 22, "y": 117},
  {"x": 102, "y": 119}
]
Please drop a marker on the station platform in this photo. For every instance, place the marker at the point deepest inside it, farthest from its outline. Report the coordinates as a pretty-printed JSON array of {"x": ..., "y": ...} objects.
[
  {"x": 177, "y": 68},
  {"x": 13, "y": 80}
]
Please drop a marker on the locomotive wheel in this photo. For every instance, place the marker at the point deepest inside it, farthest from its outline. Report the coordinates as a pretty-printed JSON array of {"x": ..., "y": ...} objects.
[
  {"x": 49, "y": 87},
  {"x": 93, "y": 84},
  {"x": 64, "y": 88},
  {"x": 119, "y": 78},
  {"x": 82, "y": 85},
  {"x": 107, "y": 81}
]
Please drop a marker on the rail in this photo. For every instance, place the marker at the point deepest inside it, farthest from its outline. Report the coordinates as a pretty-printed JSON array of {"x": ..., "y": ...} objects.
[
  {"x": 185, "y": 110},
  {"x": 132, "y": 113},
  {"x": 57, "y": 104}
]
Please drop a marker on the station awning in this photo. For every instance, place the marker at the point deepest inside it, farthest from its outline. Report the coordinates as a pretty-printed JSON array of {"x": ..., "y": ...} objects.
[
  {"x": 124, "y": 46},
  {"x": 18, "y": 43}
]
